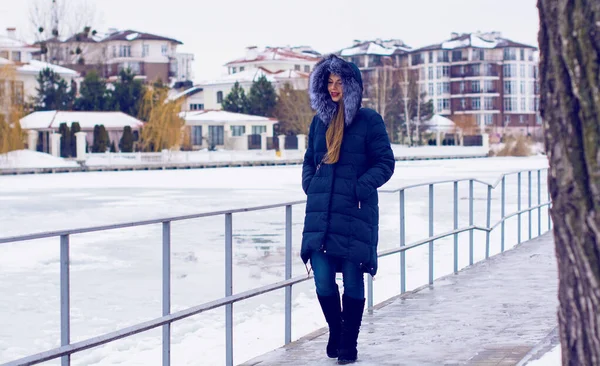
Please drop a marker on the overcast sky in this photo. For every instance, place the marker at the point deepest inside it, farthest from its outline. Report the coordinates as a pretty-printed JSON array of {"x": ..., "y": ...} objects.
[{"x": 217, "y": 31}]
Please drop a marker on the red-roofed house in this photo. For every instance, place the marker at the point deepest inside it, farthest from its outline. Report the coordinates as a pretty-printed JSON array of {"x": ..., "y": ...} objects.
[{"x": 280, "y": 65}]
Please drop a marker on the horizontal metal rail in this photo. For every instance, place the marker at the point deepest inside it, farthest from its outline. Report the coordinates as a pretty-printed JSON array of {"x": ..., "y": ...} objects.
[{"x": 67, "y": 349}]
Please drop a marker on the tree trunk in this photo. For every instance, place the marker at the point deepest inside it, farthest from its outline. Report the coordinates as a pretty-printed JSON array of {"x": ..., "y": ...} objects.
[{"x": 570, "y": 106}]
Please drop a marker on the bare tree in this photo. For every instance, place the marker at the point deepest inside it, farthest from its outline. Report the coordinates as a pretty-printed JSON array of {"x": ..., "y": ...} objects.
[
  {"x": 293, "y": 110},
  {"x": 56, "y": 20},
  {"x": 570, "y": 107}
]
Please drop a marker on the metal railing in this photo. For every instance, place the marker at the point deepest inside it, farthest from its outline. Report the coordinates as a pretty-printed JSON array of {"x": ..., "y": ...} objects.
[{"x": 67, "y": 348}]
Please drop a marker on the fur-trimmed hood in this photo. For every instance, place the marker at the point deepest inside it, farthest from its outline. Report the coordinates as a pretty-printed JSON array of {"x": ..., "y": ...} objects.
[{"x": 352, "y": 85}]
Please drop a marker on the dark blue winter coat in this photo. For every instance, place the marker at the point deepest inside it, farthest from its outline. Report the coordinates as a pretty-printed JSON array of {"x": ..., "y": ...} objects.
[{"x": 342, "y": 210}]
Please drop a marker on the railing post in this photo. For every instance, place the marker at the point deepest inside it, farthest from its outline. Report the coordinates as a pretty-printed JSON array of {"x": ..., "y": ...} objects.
[
  {"x": 456, "y": 226},
  {"x": 431, "y": 234},
  {"x": 550, "y": 204},
  {"x": 65, "y": 300},
  {"x": 539, "y": 192},
  {"x": 166, "y": 292},
  {"x": 488, "y": 222},
  {"x": 369, "y": 293},
  {"x": 471, "y": 222},
  {"x": 519, "y": 208},
  {"x": 402, "y": 243},
  {"x": 229, "y": 289},
  {"x": 503, "y": 213},
  {"x": 288, "y": 273},
  {"x": 529, "y": 200}
]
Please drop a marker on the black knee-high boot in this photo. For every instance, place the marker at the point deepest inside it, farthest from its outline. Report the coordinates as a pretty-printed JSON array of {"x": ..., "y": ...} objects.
[
  {"x": 351, "y": 319},
  {"x": 333, "y": 315}
]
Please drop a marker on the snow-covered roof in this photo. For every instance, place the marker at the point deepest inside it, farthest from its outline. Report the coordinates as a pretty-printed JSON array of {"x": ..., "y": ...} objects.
[
  {"x": 253, "y": 74},
  {"x": 476, "y": 40},
  {"x": 34, "y": 67},
  {"x": 223, "y": 117},
  {"x": 276, "y": 54},
  {"x": 8, "y": 42},
  {"x": 438, "y": 122},
  {"x": 131, "y": 35},
  {"x": 187, "y": 92},
  {"x": 87, "y": 120},
  {"x": 375, "y": 48}
]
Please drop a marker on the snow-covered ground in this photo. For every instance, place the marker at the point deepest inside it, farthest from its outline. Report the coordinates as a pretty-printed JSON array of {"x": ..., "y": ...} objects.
[
  {"x": 116, "y": 275},
  {"x": 551, "y": 358},
  {"x": 33, "y": 159}
]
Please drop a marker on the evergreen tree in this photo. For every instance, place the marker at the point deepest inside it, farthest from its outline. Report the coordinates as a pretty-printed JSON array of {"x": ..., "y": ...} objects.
[
  {"x": 94, "y": 94},
  {"x": 126, "y": 143},
  {"x": 262, "y": 97},
  {"x": 113, "y": 148},
  {"x": 101, "y": 140},
  {"x": 75, "y": 127},
  {"x": 128, "y": 94},
  {"x": 65, "y": 140},
  {"x": 53, "y": 92},
  {"x": 236, "y": 100}
]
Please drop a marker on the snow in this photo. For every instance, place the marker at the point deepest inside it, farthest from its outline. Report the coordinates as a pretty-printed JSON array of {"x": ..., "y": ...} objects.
[
  {"x": 551, "y": 358},
  {"x": 35, "y": 67},
  {"x": 116, "y": 275},
  {"x": 372, "y": 49},
  {"x": 473, "y": 41},
  {"x": 221, "y": 116},
  {"x": 87, "y": 120},
  {"x": 132, "y": 36},
  {"x": 442, "y": 123},
  {"x": 249, "y": 75},
  {"x": 32, "y": 159}
]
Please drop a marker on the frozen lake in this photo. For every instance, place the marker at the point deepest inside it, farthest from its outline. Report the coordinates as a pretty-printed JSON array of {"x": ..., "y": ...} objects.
[{"x": 116, "y": 275}]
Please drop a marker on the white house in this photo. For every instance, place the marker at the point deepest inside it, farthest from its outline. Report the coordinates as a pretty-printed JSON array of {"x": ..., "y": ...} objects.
[
  {"x": 43, "y": 125},
  {"x": 280, "y": 65},
  {"x": 226, "y": 129},
  {"x": 20, "y": 70}
]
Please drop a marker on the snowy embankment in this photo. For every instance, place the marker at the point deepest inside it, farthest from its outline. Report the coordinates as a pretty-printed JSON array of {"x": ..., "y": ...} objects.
[{"x": 24, "y": 159}]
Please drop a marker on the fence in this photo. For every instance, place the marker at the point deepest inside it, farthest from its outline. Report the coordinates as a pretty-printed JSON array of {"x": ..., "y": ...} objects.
[{"x": 67, "y": 348}]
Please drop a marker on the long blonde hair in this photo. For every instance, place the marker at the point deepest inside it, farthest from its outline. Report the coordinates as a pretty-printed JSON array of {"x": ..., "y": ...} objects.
[{"x": 335, "y": 135}]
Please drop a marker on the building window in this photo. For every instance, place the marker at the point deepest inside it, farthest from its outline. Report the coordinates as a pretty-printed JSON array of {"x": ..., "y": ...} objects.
[
  {"x": 196, "y": 135},
  {"x": 510, "y": 54},
  {"x": 297, "y": 67},
  {"x": 446, "y": 87},
  {"x": 431, "y": 87},
  {"x": 488, "y": 86},
  {"x": 510, "y": 87},
  {"x": 462, "y": 87},
  {"x": 475, "y": 104},
  {"x": 476, "y": 69},
  {"x": 537, "y": 104},
  {"x": 257, "y": 130},
  {"x": 439, "y": 88},
  {"x": 457, "y": 55},
  {"x": 238, "y": 130},
  {"x": 531, "y": 104},
  {"x": 538, "y": 119},
  {"x": 522, "y": 54},
  {"x": 521, "y": 119},
  {"x": 233, "y": 70},
  {"x": 196, "y": 107},
  {"x": 463, "y": 104},
  {"x": 16, "y": 56},
  {"x": 17, "y": 92},
  {"x": 522, "y": 71},
  {"x": 306, "y": 68},
  {"x": 461, "y": 70},
  {"x": 522, "y": 87},
  {"x": 443, "y": 56},
  {"x": 114, "y": 49},
  {"x": 488, "y": 103},
  {"x": 219, "y": 97},
  {"x": 4, "y": 54},
  {"x": 510, "y": 104},
  {"x": 146, "y": 51},
  {"x": 446, "y": 71},
  {"x": 124, "y": 51},
  {"x": 430, "y": 69},
  {"x": 488, "y": 119},
  {"x": 475, "y": 86},
  {"x": 164, "y": 49},
  {"x": 506, "y": 120},
  {"x": 242, "y": 68},
  {"x": 509, "y": 71},
  {"x": 216, "y": 135},
  {"x": 523, "y": 105}
]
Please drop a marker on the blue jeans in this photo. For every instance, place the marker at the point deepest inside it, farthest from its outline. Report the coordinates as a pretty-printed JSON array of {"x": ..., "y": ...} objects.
[{"x": 324, "y": 267}]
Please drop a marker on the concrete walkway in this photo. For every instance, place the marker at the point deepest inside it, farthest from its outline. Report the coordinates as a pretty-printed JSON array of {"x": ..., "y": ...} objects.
[{"x": 492, "y": 313}]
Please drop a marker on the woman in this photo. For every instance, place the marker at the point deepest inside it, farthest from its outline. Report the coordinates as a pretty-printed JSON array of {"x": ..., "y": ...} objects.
[{"x": 348, "y": 157}]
